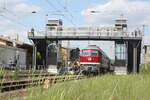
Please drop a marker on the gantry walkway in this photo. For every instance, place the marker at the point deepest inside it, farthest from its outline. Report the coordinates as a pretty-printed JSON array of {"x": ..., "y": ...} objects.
[{"x": 85, "y": 33}]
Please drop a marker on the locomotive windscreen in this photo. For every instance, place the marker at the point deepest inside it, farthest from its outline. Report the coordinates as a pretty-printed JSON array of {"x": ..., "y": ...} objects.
[
  {"x": 85, "y": 53},
  {"x": 89, "y": 53},
  {"x": 94, "y": 53}
]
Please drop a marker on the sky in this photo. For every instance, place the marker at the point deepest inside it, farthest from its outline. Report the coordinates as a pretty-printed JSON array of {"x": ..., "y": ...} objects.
[{"x": 16, "y": 16}]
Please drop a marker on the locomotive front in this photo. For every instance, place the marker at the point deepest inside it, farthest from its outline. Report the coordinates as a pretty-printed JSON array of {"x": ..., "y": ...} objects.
[{"x": 90, "y": 60}]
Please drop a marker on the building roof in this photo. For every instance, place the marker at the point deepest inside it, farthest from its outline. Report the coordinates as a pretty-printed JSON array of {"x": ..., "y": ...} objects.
[
  {"x": 6, "y": 39},
  {"x": 9, "y": 40}
]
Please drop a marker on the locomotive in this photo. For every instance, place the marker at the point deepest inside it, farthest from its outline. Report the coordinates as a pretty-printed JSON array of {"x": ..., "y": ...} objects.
[{"x": 94, "y": 60}]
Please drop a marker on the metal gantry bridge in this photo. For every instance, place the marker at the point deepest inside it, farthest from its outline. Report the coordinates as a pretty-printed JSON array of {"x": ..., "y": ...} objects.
[
  {"x": 85, "y": 33},
  {"x": 131, "y": 41}
]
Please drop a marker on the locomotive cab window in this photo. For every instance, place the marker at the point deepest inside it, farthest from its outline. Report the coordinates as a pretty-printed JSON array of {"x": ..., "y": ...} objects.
[
  {"x": 85, "y": 53},
  {"x": 94, "y": 53}
]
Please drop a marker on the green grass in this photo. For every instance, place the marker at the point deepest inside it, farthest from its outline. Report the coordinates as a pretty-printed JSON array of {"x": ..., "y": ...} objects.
[
  {"x": 145, "y": 69},
  {"x": 107, "y": 87}
]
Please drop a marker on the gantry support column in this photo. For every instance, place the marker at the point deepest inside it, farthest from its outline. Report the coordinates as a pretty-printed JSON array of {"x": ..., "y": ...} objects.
[
  {"x": 121, "y": 53},
  {"x": 46, "y": 54},
  {"x": 134, "y": 53},
  {"x": 136, "y": 56},
  {"x": 135, "y": 60},
  {"x": 52, "y": 53},
  {"x": 34, "y": 56}
]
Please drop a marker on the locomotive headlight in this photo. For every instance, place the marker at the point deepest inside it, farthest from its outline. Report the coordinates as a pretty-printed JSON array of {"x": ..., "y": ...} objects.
[{"x": 89, "y": 59}]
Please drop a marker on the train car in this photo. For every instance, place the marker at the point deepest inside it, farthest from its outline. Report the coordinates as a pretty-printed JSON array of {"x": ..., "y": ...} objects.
[{"x": 94, "y": 60}]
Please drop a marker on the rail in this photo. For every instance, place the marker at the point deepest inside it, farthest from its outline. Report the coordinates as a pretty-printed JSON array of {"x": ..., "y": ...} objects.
[
  {"x": 21, "y": 84},
  {"x": 21, "y": 76}
]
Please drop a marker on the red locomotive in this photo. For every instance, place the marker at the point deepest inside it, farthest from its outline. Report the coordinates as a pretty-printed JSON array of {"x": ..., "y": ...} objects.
[{"x": 94, "y": 60}]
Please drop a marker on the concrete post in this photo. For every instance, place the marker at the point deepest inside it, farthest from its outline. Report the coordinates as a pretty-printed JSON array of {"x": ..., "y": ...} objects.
[
  {"x": 34, "y": 56},
  {"x": 46, "y": 55},
  {"x": 135, "y": 60}
]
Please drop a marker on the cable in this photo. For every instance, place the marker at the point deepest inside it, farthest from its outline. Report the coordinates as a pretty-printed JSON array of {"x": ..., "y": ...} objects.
[
  {"x": 12, "y": 13},
  {"x": 65, "y": 8},
  {"x": 13, "y": 21},
  {"x": 52, "y": 5},
  {"x": 7, "y": 11},
  {"x": 60, "y": 4},
  {"x": 59, "y": 11}
]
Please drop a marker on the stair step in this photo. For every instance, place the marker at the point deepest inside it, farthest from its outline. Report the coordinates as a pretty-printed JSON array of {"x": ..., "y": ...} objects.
[{"x": 120, "y": 70}]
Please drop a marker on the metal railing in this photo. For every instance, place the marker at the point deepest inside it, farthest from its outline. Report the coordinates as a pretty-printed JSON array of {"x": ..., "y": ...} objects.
[{"x": 109, "y": 31}]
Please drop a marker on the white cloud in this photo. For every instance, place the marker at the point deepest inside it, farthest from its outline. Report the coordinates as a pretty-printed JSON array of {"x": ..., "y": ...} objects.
[
  {"x": 17, "y": 8},
  {"x": 11, "y": 13},
  {"x": 25, "y": 9},
  {"x": 137, "y": 12},
  {"x": 5, "y": 22}
]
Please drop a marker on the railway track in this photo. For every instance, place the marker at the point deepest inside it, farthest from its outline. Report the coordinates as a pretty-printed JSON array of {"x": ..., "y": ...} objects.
[
  {"x": 21, "y": 76},
  {"x": 35, "y": 81}
]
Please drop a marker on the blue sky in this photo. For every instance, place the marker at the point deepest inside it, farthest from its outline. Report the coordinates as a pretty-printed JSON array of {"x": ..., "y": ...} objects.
[
  {"x": 16, "y": 16},
  {"x": 76, "y": 8},
  {"x": 76, "y": 12}
]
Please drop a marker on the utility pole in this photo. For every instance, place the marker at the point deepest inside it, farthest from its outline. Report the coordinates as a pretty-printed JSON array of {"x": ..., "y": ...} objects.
[
  {"x": 68, "y": 52},
  {"x": 142, "y": 45}
]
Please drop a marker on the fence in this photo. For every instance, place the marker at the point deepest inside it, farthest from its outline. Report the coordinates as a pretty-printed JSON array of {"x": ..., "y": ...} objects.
[{"x": 109, "y": 31}]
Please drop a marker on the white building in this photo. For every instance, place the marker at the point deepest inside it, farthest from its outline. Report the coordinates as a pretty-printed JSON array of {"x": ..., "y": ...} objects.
[{"x": 13, "y": 50}]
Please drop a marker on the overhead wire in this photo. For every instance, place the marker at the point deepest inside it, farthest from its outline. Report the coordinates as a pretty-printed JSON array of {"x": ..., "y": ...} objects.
[
  {"x": 65, "y": 8},
  {"x": 10, "y": 12},
  {"x": 55, "y": 8},
  {"x": 5, "y": 9},
  {"x": 19, "y": 23},
  {"x": 51, "y": 4}
]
